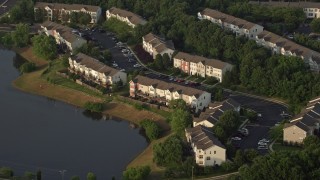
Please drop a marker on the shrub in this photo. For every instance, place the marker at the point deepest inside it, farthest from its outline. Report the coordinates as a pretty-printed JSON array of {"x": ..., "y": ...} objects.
[
  {"x": 137, "y": 173},
  {"x": 6, "y": 172},
  {"x": 151, "y": 128},
  {"x": 27, "y": 67},
  {"x": 95, "y": 107}
]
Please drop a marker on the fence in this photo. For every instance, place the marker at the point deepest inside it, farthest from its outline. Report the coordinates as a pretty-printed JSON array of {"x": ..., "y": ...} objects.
[{"x": 133, "y": 101}]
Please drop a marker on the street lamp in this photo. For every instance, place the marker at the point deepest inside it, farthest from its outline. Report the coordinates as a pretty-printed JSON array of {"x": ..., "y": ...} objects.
[{"x": 62, "y": 173}]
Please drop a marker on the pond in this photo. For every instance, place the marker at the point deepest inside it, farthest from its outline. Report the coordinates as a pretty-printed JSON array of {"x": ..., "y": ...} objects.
[{"x": 37, "y": 133}]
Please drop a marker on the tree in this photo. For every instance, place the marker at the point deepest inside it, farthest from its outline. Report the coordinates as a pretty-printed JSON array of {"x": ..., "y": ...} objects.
[
  {"x": 178, "y": 104},
  {"x": 29, "y": 175},
  {"x": 22, "y": 12},
  {"x": 158, "y": 62},
  {"x": 315, "y": 25},
  {"x": 250, "y": 154},
  {"x": 107, "y": 55},
  {"x": 91, "y": 176},
  {"x": 180, "y": 119},
  {"x": 74, "y": 17},
  {"x": 137, "y": 173},
  {"x": 39, "y": 15},
  {"x": 94, "y": 107},
  {"x": 229, "y": 121},
  {"x": 84, "y": 18},
  {"x": 166, "y": 61},
  {"x": 44, "y": 47},
  {"x": 151, "y": 128},
  {"x": 168, "y": 153},
  {"x": 6, "y": 172},
  {"x": 239, "y": 158},
  {"x": 75, "y": 178},
  {"x": 39, "y": 175},
  {"x": 27, "y": 67},
  {"x": 311, "y": 141},
  {"x": 220, "y": 132},
  {"x": 20, "y": 36},
  {"x": 65, "y": 17}
]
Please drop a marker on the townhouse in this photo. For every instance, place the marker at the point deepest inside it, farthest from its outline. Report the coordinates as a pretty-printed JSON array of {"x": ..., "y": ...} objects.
[
  {"x": 155, "y": 45},
  {"x": 95, "y": 71},
  {"x": 201, "y": 66},
  {"x": 311, "y": 9},
  {"x": 208, "y": 150},
  {"x": 238, "y": 26},
  {"x": 58, "y": 10},
  {"x": 164, "y": 92},
  {"x": 304, "y": 124},
  {"x": 128, "y": 17},
  {"x": 280, "y": 45},
  {"x": 212, "y": 115},
  {"x": 63, "y": 36}
]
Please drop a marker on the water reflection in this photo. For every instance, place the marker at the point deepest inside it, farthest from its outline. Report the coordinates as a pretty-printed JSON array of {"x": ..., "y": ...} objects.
[{"x": 18, "y": 61}]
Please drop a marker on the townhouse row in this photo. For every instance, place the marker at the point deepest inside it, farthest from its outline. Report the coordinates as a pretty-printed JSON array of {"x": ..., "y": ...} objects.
[
  {"x": 95, "y": 71},
  {"x": 201, "y": 66},
  {"x": 58, "y": 10},
  {"x": 164, "y": 92},
  {"x": 63, "y": 36},
  {"x": 128, "y": 17},
  {"x": 311, "y": 9},
  {"x": 277, "y": 44},
  {"x": 304, "y": 124}
]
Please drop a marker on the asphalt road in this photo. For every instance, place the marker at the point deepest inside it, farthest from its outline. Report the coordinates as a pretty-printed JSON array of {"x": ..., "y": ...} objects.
[
  {"x": 270, "y": 112},
  {"x": 107, "y": 43},
  {"x": 7, "y": 6}
]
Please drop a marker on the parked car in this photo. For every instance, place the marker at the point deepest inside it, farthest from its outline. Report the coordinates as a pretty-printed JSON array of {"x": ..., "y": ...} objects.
[
  {"x": 262, "y": 143},
  {"x": 236, "y": 138},
  {"x": 262, "y": 147},
  {"x": 171, "y": 78},
  {"x": 137, "y": 65},
  {"x": 122, "y": 70},
  {"x": 264, "y": 140},
  {"x": 180, "y": 80},
  {"x": 115, "y": 65},
  {"x": 186, "y": 83}
]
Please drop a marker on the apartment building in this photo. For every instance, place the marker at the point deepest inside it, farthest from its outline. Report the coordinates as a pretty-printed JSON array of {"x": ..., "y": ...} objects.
[
  {"x": 201, "y": 66},
  {"x": 128, "y": 17},
  {"x": 155, "y": 45},
  {"x": 238, "y": 26},
  {"x": 63, "y": 36},
  {"x": 212, "y": 115},
  {"x": 95, "y": 71},
  {"x": 164, "y": 92},
  {"x": 311, "y": 9},
  {"x": 57, "y": 10},
  {"x": 208, "y": 150},
  {"x": 304, "y": 124},
  {"x": 280, "y": 45}
]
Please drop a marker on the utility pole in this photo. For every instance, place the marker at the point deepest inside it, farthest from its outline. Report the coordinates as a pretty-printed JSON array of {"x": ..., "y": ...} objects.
[
  {"x": 192, "y": 173},
  {"x": 62, "y": 173}
]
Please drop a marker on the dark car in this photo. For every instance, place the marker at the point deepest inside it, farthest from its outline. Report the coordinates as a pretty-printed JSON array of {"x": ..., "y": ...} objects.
[{"x": 102, "y": 31}]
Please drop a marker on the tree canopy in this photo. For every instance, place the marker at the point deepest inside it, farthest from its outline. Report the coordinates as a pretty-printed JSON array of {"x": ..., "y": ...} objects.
[
  {"x": 179, "y": 120},
  {"x": 151, "y": 128},
  {"x": 20, "y": 36},
  {"x": 44, "y": 47},
  {"x": 137, "y": 173}
]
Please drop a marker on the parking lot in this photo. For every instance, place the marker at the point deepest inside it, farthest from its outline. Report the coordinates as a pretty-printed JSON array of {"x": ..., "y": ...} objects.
[
  {"x": 120, "y": 59},
  {"x": 270, "y": 115}
]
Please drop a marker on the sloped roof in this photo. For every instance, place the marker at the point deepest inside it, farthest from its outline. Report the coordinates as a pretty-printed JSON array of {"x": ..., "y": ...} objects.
[
  {"x": 168, "y": 86},
  {"x": 64, "y": 31},
  {"x": 94, "y": 64},
  {"x": 196, "y": 59},
  {"x": 133, "y": 18},
  {"x": 203, "y": 138},
  {"x": 159, "y": 43},
  {"x": 241, "y": 23},
  {"x": 77, "y": 7}
]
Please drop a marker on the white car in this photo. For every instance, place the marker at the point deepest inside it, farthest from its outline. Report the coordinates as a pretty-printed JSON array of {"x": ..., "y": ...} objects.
[
  {"x": 262, "y": 143},
  {"x": 124, "y": 50},
  {"x": 122, "y": 70},
  {"x": 259, "y": 115},
  {"x": 264, "y": 140},
  {"x": 115, "y": 65},
  {"x": 137, "y": 65},
  {"x": 236, "y": 138}
]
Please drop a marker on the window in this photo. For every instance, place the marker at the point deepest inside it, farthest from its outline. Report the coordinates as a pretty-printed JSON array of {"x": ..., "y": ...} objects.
[
  {"x": 208, "y": 158},
  {"x": 210, "y": 152},
  {"x": 214, "y": 152},
  {"x": 200, "y": 162},
  {"x": 200, "y": 156}
]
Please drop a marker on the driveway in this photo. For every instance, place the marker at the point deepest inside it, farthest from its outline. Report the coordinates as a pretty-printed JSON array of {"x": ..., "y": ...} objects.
[{"x": 270, "y": 112}]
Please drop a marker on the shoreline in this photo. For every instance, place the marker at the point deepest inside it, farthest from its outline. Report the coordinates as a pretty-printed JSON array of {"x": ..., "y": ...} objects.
[{"x": 33, "y": 83}]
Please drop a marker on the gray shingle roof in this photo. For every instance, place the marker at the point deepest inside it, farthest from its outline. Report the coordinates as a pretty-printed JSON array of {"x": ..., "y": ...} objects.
[
  {"x": 203, "y": 138},
  {"x": 300, "y": 4},
  {"x": 94, "y": 64},
  {"x": 77, "y": 7},
  {"x": 168, "y": 86},
  {"x": 133, "y": 18}
]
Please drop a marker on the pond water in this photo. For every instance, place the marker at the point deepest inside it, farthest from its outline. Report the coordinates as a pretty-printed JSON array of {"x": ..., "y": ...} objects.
[{"x": 40, "y": 133}]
